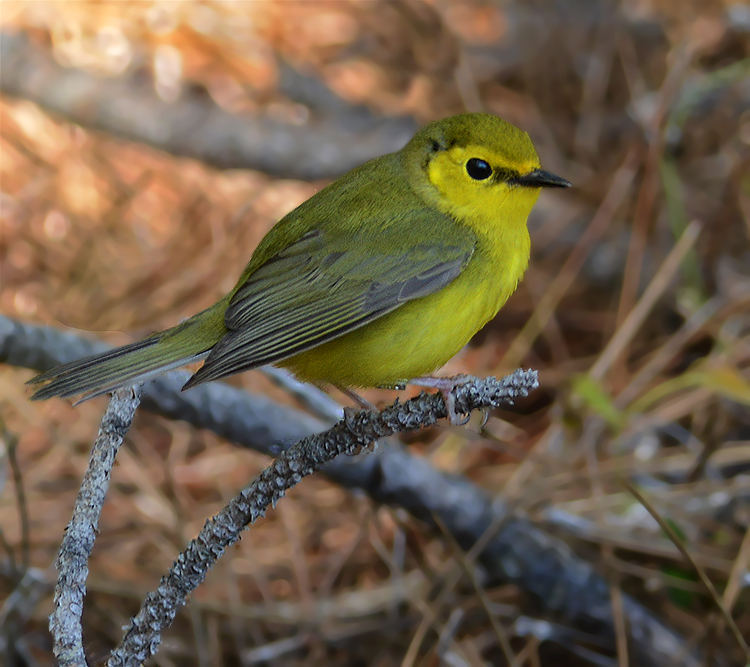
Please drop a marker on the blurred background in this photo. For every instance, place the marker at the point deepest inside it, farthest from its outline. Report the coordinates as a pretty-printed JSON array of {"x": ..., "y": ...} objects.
[{"x": 146, "y": 147}]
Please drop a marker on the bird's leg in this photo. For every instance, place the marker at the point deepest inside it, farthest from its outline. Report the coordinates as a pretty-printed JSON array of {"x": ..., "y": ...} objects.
[
  {"x": 359, "y": 400},
  {"x": 446, "y": 386},
  {"x": 362, "y": 403}
]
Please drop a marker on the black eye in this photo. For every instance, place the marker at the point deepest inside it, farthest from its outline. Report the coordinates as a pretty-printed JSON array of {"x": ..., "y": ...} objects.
[{"x": 478, "y": 169}]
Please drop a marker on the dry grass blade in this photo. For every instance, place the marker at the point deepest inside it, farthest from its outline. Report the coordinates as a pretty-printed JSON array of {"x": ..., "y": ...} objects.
[
  {"x": 726, "y": 615},
  {"x": 739, "y": 570},
  {"x": 469, "y": 570},
  {"x": 668, "y": 351},
  {"x": 655, "y": 289},
  {"x": 620, "y": 626},
  {"x": 621, "y": 182},
  {"x": 649, "y": 187},
  {"x": 108, "y": 235}
]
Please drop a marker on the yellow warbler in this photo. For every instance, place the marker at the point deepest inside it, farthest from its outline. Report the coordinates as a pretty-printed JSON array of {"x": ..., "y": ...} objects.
[{"x": 376, "y": 280}]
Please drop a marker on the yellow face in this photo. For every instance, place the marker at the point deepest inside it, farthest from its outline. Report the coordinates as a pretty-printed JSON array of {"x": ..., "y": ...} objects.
[
  {"x": 477, "y": 185},
  {"x": 479, "y": 169}
]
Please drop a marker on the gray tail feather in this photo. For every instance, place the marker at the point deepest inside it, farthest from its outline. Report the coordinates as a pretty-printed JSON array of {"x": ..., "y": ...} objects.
[{"x": 101, "y": 373}]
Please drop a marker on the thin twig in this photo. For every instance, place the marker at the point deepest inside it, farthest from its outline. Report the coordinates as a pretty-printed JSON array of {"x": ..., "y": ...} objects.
[
  {"x": 310, "y": 396},
  {"x": 356, "y": 431},
  {"x": 23, "y": 507},
  {"x": 72, "y": 560},
  {"x": 8, "y": 548}
]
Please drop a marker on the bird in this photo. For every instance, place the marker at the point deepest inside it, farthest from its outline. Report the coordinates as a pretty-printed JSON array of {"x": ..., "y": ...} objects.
[{"x": 377, "y": 280}]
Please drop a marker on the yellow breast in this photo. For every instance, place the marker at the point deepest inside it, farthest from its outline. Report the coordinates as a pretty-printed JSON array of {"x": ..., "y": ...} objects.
[{"x": 422, "y": 335}]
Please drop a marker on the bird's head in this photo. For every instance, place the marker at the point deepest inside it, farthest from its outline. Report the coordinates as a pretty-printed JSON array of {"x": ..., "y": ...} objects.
[{"x": 477, "y": 166}]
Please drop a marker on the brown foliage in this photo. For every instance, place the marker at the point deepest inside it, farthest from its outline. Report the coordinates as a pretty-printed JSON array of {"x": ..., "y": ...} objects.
[{"x": 105, "y": 235}]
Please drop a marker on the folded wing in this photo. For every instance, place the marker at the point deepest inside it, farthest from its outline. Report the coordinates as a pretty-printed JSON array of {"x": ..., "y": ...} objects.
[{"x": 325, "y": 285}]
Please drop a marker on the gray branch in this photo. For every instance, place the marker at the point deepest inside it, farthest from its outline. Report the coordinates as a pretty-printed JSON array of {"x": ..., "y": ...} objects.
[
  {"x": 358, "y": 430},
  {"x": 341, "y": 137},
  {"x": 518, "y": 552},
  {"x": 80, "y": 535}
]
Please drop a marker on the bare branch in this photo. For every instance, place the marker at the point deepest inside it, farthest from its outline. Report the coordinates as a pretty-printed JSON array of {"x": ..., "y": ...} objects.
[
  {"x": 343, "y": 137},
  {"x": 517, "y": 551},
  {"x": 72, "y": 560},
  {"x": 357, "y": 430}
]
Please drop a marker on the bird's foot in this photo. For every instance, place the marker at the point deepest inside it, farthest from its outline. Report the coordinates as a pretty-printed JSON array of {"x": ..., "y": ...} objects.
[{"x": 446, "y": 386}]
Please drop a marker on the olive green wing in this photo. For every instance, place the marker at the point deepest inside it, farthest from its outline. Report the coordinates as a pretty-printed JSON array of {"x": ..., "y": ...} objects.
[{"x": 327, "y": 284}]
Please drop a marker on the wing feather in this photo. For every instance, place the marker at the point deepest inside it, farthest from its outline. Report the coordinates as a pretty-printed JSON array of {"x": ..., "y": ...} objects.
[{"x": 324, "y": 286}]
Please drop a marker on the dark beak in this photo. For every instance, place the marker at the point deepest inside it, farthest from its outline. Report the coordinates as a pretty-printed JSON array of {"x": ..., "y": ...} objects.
[{"x": 540, "y": 179}]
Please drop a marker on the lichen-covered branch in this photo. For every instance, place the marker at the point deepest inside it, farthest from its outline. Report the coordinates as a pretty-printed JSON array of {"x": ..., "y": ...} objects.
[
  {"x": 519, "y": 552},
  {"x": 80, "y": 535},
  {"x": 357, "y": 430}
]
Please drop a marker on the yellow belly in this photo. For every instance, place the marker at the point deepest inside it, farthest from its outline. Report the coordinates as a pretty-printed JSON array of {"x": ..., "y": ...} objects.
[{"x": 419, "y": 336}]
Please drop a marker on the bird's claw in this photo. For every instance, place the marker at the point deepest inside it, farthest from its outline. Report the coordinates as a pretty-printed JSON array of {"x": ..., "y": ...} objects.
[{"x": 446, "y": 386}]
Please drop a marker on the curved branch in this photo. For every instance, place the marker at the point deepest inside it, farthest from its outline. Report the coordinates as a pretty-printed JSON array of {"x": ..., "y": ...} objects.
[
  {"x": 356, "y": 431},
  {"x": 518, "y": 551},
  {"x": 81, "y": 532},
  {"x": 341, "y": 138}
]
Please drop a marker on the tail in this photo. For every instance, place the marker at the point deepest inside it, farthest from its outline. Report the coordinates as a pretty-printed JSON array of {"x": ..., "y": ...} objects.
[{"x": 161, "y": 352}]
